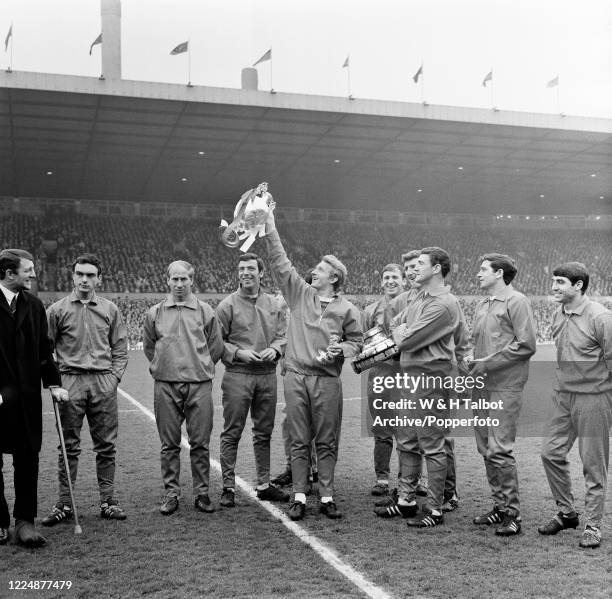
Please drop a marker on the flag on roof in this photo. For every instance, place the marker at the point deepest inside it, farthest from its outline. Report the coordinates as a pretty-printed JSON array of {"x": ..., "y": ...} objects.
[
  {"x": 97, "y": 41},
  {"x": 9, "y": 35},
  {"x": 416, "y": 76},
  {"x": 265, "y": 57},
  {"x": 553, "y": 82},
  {"x": 180, "y": 49}
]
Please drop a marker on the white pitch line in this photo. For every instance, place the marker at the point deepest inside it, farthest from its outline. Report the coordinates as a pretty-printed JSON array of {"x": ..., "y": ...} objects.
[{"x": 328, "y": 554}]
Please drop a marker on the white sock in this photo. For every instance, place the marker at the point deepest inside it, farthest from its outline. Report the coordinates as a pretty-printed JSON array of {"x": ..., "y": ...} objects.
[
  {"x": 301, "y": 497},
  {"x": 383, "y": 482},
  {"x": 262, "y": 487},
  {"x": 402, "y": 501},
  {"x": 327, "y": 499},
  {"x": 436, "y": 513}
]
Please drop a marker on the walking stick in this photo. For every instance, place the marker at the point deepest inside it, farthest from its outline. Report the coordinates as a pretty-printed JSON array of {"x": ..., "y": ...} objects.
[{"x": 58, "y": 423}]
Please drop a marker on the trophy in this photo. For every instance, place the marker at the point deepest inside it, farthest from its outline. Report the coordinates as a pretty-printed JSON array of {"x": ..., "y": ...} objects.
[
  {"x": 377, "y": 348},
  {"x": 250, "y": 217},
  {"x": 324, "y": 356}
]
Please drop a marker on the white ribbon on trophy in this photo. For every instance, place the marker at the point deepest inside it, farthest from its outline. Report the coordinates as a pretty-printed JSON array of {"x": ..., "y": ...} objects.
[{"x": 250, "y": 217}]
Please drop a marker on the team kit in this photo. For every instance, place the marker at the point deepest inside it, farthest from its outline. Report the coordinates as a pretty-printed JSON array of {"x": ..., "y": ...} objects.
[{"x": 78, "y": 349}]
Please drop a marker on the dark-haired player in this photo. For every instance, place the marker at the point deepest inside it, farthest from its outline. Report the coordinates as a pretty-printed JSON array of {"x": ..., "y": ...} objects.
[
  {"x": 254, "y": 329},
  {"x": 90, "y": 341},
  {"x": 504, "y": 340},
  {"x": 582, "y": 402},
  {"x": 426, "y": 337}
]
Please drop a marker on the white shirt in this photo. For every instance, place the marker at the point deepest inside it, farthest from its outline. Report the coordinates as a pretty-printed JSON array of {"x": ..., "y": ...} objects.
[{"x": 8, "y": 294}]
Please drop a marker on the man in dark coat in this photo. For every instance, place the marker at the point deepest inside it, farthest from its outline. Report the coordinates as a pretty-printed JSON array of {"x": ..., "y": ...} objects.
[{"x": 25, "y": 358}]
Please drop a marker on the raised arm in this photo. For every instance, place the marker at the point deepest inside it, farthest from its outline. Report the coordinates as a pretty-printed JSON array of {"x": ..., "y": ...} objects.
[{"x": 286, "y": 276}]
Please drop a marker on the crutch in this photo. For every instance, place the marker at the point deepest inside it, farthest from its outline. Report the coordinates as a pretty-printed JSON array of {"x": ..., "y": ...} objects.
[{"x": 58, "y": 423}]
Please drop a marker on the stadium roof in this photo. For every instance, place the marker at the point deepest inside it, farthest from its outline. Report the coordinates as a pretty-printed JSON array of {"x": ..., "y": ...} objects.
[{"x": 80, "y": 137}]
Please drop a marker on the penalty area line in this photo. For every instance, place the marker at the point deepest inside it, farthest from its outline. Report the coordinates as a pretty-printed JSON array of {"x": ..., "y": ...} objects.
[{"x": 325, "y": 552}]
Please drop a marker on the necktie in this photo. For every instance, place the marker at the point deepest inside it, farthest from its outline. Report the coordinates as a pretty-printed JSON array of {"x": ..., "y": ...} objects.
[{"x": 13, "y": 305}]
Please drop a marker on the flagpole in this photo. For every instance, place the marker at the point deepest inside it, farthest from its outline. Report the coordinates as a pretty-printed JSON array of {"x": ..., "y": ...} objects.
[
  {"x": 11, "y": 60},
  {"x": 492, "y": 84},
  {"x": 271, "y": 85},
  {"x": 558, "y": 96},
  {"x": 348, "y": 76},
  {"x": 422, "y": 82},
  {"x": 189, "y": 62}
]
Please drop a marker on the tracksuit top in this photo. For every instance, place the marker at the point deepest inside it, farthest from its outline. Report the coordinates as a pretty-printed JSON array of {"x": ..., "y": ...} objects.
[
  {"x": 583, "y": 338},
  {"x": 378, "y": 313},
  {"x": 88, "y": 336},
  {"x": 398, "y": 304},
  {"x": 427, "y": 331},
  {"x": 310, "y": 326},
  {"x": 182, "y": 342},
  {"x": 254, "y": 324},
  {"x": 504, "y": 334}
]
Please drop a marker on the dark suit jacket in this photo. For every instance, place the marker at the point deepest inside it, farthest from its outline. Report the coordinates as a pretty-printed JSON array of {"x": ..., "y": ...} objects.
[{"x": 26, "y": 358}]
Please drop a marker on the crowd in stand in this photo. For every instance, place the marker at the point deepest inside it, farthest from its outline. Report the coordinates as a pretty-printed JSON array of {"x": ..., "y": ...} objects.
[{"x": 136, "y": 251}]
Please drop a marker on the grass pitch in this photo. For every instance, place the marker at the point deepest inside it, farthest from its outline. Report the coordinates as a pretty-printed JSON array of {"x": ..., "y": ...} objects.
[{"x": 245, "y": 552}]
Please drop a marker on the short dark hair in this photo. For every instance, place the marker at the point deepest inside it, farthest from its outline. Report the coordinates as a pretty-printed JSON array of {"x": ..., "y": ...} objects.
[
  {"x": 251, "y": 256},
  {"x": 574, "y": 271},
  {"x": 88, "y": 259},
  {"x": 10, "y": 259},
  {"x": 391, "y": 267},
  {"x": 411, "y": 255},
  {"x": 438, "y": 256},
  {"x": 507, "y": 264}
]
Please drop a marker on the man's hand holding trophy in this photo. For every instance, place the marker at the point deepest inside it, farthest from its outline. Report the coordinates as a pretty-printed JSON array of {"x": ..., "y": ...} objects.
[{"x": 332, "y": 351}]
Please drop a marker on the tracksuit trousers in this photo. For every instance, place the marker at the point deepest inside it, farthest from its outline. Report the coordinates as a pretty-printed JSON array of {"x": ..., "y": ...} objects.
[
  {"x": 383, "y": 435},
  {"x": 175, "y": 403},
  {"x": 93, "y": 395},
  {"x": 587, "y": 418},
  {"x": 243, "y": 392},
  {"x": 314, "y": 412},
  {"x": 496, "y": 445},
  {"x": 432, "y": 440}
]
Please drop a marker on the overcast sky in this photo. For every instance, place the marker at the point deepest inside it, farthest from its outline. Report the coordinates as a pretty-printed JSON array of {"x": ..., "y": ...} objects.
[{"x": 526, "y": 43}]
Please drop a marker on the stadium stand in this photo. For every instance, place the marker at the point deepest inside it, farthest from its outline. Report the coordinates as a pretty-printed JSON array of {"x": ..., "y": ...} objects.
[{"x": 136, "y": 250}]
